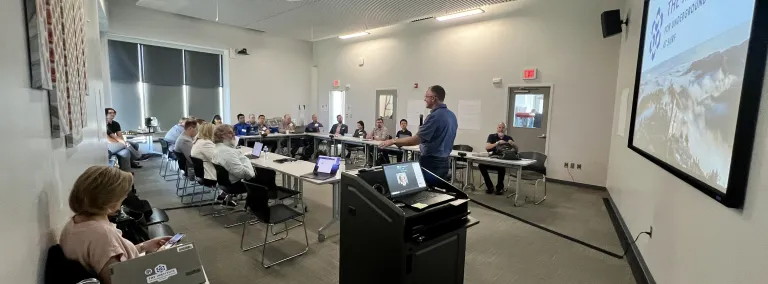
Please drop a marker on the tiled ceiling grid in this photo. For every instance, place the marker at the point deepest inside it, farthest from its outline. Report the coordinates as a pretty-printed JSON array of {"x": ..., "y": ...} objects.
[{"x": 313, "y": 19}]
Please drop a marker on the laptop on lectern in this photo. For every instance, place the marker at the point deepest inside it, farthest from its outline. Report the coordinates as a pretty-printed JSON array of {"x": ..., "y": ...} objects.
[{"x": 407, "y": 185}]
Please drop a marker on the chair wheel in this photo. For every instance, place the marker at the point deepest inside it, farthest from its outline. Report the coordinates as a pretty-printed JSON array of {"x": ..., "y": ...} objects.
[{"x": 321, "y": 238}]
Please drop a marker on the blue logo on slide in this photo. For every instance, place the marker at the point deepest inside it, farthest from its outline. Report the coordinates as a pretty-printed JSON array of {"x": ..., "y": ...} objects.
[{"x": 656, "y": 33}]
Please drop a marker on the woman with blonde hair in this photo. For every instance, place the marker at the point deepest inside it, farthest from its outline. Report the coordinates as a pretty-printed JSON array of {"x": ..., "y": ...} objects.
[
  {"x": 203, "y": 149},
  {"x": 89, "y": 237}
]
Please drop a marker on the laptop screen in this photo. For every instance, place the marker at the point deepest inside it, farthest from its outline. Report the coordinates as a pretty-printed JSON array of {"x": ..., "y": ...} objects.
[
  {"x": 257, "y": 147},
  {"x": 328, "y": 165},
  {"x": 404, "y": 178}
]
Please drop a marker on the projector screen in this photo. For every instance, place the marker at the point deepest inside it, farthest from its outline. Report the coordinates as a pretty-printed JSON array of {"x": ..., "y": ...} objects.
[{"x": 690, "y": 90}]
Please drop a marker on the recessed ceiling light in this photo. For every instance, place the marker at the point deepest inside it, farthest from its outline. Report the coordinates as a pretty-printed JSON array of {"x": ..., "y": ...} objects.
[
  {"x": 461, "y": 14},
  {"x": 354, "y": 35}
]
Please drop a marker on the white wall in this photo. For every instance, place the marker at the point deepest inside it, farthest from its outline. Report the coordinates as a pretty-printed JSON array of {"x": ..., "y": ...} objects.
[
  {"x": 37, "y": 171},
  {"x": 561, "y": 38},
  {"x": 273, "y": 80},
  {"x": 695, "y": 239}
]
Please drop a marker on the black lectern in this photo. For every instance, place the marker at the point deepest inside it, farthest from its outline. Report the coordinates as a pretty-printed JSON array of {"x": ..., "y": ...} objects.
[{"x": 383, "y": 242}]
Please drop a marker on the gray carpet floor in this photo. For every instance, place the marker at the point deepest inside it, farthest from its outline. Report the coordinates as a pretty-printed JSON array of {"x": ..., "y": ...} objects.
[{"x": 499, "y": 249}]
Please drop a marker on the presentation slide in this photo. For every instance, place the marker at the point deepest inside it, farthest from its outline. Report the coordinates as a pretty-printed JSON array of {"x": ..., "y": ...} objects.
[{"x": 690, "y": 84}]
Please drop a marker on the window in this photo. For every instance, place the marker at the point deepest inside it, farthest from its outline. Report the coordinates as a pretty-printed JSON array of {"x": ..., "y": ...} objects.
[{"x": 528, "y": 110}]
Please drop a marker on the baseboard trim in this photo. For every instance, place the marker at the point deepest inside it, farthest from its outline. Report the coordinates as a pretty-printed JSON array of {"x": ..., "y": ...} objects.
[
  {"x": 584, "y": 185},
  {"x": 636, "y": 262}
]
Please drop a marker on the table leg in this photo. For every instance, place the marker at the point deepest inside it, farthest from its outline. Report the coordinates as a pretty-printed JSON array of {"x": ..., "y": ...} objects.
[
  {"x": 467, "y": 184},
  {"x": 150, "y": 141},
  {"x": 517, "y": 183},
  {"x": 314, "y": 144},
  {"x": 335, "y": 214},
  {"x": 366, "y": 154},
  {"x": 375, "y": 155},
  {"x": 453, "y": 170},
  {"x": 343, "y": 148}
]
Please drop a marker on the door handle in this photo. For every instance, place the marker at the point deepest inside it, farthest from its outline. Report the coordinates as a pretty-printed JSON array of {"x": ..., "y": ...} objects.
[{"x": 543, "y": 136}]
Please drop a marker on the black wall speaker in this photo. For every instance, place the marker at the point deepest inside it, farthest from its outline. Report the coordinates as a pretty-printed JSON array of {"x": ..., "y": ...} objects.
[{"x": 611, "y": 21}]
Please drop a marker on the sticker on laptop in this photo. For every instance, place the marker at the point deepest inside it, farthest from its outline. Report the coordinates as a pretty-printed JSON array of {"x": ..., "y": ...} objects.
[
  {"x": 162, "y": 273},
  {"x": 184, "y": 248}
]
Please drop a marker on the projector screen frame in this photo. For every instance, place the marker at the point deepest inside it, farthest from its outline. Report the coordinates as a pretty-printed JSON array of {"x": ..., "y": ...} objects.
[{"x": 746, "y": 121}]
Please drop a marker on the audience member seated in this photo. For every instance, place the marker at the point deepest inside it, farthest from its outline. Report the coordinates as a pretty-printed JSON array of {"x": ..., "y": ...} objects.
[
  {"x": 263, "y": 129},
  {"x": 339, "y": 129},
  {"x": 288, "y": 127},
  {"x": 89, "y": 237},
  {"x": 216, "y": 120},
  {"x": 313, "y": 127},
  {"x": 491, "y": 145},
  {"x": 200, "y": 121},
  {"x": 174, "y": 133},
  {"x": 185, "y": 142},
  {"x": 128, "y": 152},
  {"x": 233, "y": 160},
  {"x": 204, "y": 149},
  {"x": 402, "y": 133},
  {"x": 359, "y": 132},
  {"x": 379, "y": 133},
  {"x": 241, "y": 128},
  {"x": 252, "y": 123}
]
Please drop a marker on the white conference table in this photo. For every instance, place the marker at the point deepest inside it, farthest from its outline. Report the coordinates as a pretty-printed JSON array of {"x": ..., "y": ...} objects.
[
  {"x": 272, "y": 136},
  {"x": 347, "y": 139},
  {"x": 294, "y": 171},
  {"x": 481, "y": 158}
]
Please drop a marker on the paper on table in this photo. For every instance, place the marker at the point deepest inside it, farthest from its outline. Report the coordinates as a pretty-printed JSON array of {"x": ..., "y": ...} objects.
[
  {"x": 469, "y": 114},
  {"x": 415, "y": 108},
  {"x": 622, "y": 113}
]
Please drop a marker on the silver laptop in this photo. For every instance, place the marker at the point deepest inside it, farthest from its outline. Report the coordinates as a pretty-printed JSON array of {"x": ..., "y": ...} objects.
[
  {"x": 257, "y": 148},
  {"x": 176, "y": 265}
]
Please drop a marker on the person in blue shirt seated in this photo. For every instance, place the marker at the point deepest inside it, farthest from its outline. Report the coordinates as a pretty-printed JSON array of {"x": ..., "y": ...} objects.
[
  {"x": 491, "y": 145},
  {"x": 313, "y": 127},
  {"x": 241, "y": 128},
  {"x": 402, "y": 133},
  {"x": 174, "y": 133},
  {"x": 262, "y": 128}
]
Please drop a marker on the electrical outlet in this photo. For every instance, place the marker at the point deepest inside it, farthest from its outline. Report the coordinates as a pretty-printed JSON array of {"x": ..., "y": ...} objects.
[
  {"x": 578, "y": 166},
  {"x": 566, "y": 165},
  {"x": 572, "y": 165}
]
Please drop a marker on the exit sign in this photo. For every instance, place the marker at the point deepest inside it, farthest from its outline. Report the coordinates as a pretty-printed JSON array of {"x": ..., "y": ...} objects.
[{"x": 529, "y": 74}]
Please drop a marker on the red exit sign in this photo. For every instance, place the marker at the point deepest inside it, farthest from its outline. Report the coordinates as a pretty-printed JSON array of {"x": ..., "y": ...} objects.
[{"x": 529, "y": 74}]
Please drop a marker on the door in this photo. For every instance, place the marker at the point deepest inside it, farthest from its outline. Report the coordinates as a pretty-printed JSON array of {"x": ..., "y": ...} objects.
[
  {"x": 527, "y": 116},
  {"x": 386, "y": 106},
  {"x": 337, "y": 106}
]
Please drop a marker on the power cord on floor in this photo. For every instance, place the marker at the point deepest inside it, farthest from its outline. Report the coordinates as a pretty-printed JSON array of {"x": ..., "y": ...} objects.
[
  {"x": 629, "y": 245},
  {"x": 569, "y": 173}
]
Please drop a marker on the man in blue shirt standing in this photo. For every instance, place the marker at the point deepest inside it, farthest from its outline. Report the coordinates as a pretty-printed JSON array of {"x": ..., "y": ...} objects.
[{"x": 435, "y": 137}]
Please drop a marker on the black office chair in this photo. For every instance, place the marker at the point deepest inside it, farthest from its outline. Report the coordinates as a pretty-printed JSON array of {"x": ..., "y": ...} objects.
[
  {"x": 168, "y": 156},
  {"x": 461, "y": 163},
  {"x": 199, "y": 170},
  {"x": 222, "y": 178},
  {"x": 59, "y": 269},
  {"x": 258, "y": 206},
  {"x": 536, "y": 171},
  {"x": 183, "y": 172}
]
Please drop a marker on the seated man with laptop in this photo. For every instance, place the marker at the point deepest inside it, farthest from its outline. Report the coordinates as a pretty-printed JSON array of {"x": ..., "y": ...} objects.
[{"x": 407, "y": 186}]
